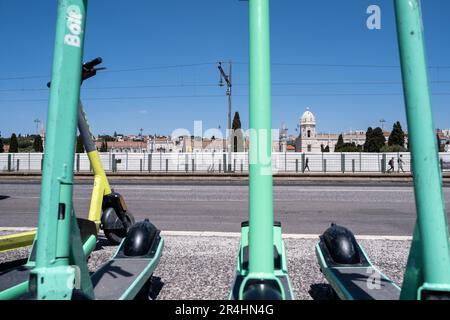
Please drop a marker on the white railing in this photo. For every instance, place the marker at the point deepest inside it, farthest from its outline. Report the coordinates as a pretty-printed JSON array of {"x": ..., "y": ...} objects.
[{"x": 218, "y": 162}]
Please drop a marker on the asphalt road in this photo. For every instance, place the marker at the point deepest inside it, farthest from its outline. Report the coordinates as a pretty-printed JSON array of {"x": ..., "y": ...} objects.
[{"x": 303, "y": 208}]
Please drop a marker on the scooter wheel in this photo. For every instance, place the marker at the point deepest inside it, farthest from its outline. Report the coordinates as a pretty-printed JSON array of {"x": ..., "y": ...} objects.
[
  {"x": 261, "y": 291},
  {"x": 145, "y": 292},
  {"x": 115, "y": 236},
  {"x": 79, "y": 295},
  {"x": 333, "y": 294}
]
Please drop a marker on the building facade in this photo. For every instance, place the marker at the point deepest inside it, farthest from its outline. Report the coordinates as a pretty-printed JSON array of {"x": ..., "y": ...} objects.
[{"x": 311, "y": 141}]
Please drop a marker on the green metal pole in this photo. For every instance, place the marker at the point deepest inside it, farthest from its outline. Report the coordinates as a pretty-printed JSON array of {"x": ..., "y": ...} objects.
[
  {"x": 431, "y": 217},
  {"x": 260, "y": 164},
  {"x": 52, "y": 274}
]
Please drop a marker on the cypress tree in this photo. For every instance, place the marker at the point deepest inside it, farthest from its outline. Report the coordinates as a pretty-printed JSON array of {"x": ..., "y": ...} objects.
[
  {"x": 13, "y": 144},
  {"x": 339, "y": 144},
  {"x": 378, "y": 139},
  {"x": 441, "y": 147},
  {"x": 37, "y": 144},
  {"x": 369, "y": 140},
  {"x": 397, "y": 136},
  {"x": 80, "y": 145},
  {"x": 236, "y": 132},
  {"x": 1, "y": 146},
  {"x": 104, "y": 146},
  {"x": 236, "y": 121}
]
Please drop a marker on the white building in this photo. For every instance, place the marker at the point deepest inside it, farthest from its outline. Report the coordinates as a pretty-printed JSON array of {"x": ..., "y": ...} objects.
[{"x": 309, "y": 140}]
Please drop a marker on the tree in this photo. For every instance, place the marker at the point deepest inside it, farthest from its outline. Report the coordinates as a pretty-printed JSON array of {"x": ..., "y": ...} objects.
[
  {"x": 13, "y": 144},
  {"x": 379, "y": 139},
  {"x": 1, "y": 146},
  {"x": 374, "y": 140},
  {"x": 368, "y": 142},
  {"x": 106, "y": 137},
  {"x": 25, "y": 145},
  {"x": 80, "y": 145},
  {"x": 327, "y": 149},
  {"x": 37, "y": 144},
  {"x": 237, "y": 134},
  {"x": 397, "y": 136},
  {"x": 104, "y": 146},
  {"x": 441, "y": 147},
  {"x": 393, "y": 148},
  {"x": 339, "y": 144},
  {"x": 350, "y": 147},
  {"x": 236, "y": 121}
]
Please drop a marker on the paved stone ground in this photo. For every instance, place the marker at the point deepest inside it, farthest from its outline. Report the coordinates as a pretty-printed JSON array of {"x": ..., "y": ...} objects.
[{"x": 203, "y": 267}]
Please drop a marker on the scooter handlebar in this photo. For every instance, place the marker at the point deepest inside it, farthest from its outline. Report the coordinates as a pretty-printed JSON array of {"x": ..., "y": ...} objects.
[
  {"x": 91, "y": 64},
  {"x": 88, "y": 69}
]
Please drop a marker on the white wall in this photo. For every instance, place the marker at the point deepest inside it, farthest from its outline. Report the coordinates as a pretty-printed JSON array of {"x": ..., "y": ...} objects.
[{"x": 213, "y": 161}]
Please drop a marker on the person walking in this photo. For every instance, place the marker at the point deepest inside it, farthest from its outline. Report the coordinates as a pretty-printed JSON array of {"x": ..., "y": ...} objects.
[
  {"x": 400, "y": 164},
  {"x": 391, "y": 166},
  {"x": 306, "y": 165}
]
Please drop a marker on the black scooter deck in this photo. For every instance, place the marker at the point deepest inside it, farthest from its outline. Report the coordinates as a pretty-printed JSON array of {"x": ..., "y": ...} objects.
[
  {"x": 13, "y": 276},
  {"x": 115, "y": 277},
  {"x": 349, "y": 271},
  {"x": 124, "y": 276},
  {"x": 363, "y": 283}
]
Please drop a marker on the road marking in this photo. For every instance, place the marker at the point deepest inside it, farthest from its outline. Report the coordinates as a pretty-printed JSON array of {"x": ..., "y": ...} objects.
[
  {"x": 356, "y": 190},
  {"x": 34, "y": 197},
  {"x": 285, "y": 236},
  {"x": 207, "y": 234},
  {"x": 155, "y": 188},
  {"x": 17, "y": 229}
]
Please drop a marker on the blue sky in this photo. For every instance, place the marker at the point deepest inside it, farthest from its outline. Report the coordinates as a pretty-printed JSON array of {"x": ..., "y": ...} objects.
[{"x": 323, "y": 57}]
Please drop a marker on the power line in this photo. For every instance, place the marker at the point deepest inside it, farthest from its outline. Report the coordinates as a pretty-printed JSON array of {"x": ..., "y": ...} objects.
[
  {"x": 221, "y": 96},
  {"x": 331, "y": 65},
  {"x": 23, "y": 77},
  {"x": 318, "y": 65},
  {"x": 190, "y": 85},
  {"x": 118, "y": 70},
  {"x": 159, "y": 67},
  {"x": 119, "y": 87}
]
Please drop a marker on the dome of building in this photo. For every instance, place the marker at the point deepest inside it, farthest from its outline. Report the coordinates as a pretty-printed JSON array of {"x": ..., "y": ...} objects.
[{"x": 308, "y": 118}]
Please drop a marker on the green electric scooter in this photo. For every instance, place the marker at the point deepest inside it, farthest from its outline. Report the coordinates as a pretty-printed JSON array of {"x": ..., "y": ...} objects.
[
  {"x": 107, "y": 211},
  {"x": 107, "y": 208},
  {"x": 342, "y": 259},
  {"x": 60, "y": 270},
  {"x": 261, "y": 264}
]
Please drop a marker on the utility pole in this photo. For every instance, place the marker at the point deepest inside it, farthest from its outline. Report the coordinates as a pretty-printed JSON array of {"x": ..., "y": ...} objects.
[
  {"x": 382, "y": 121},
  {"x": 228, "y": 80},
  {"x": 141, "y": 140},
  {"x": 37, "y": 121}
]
